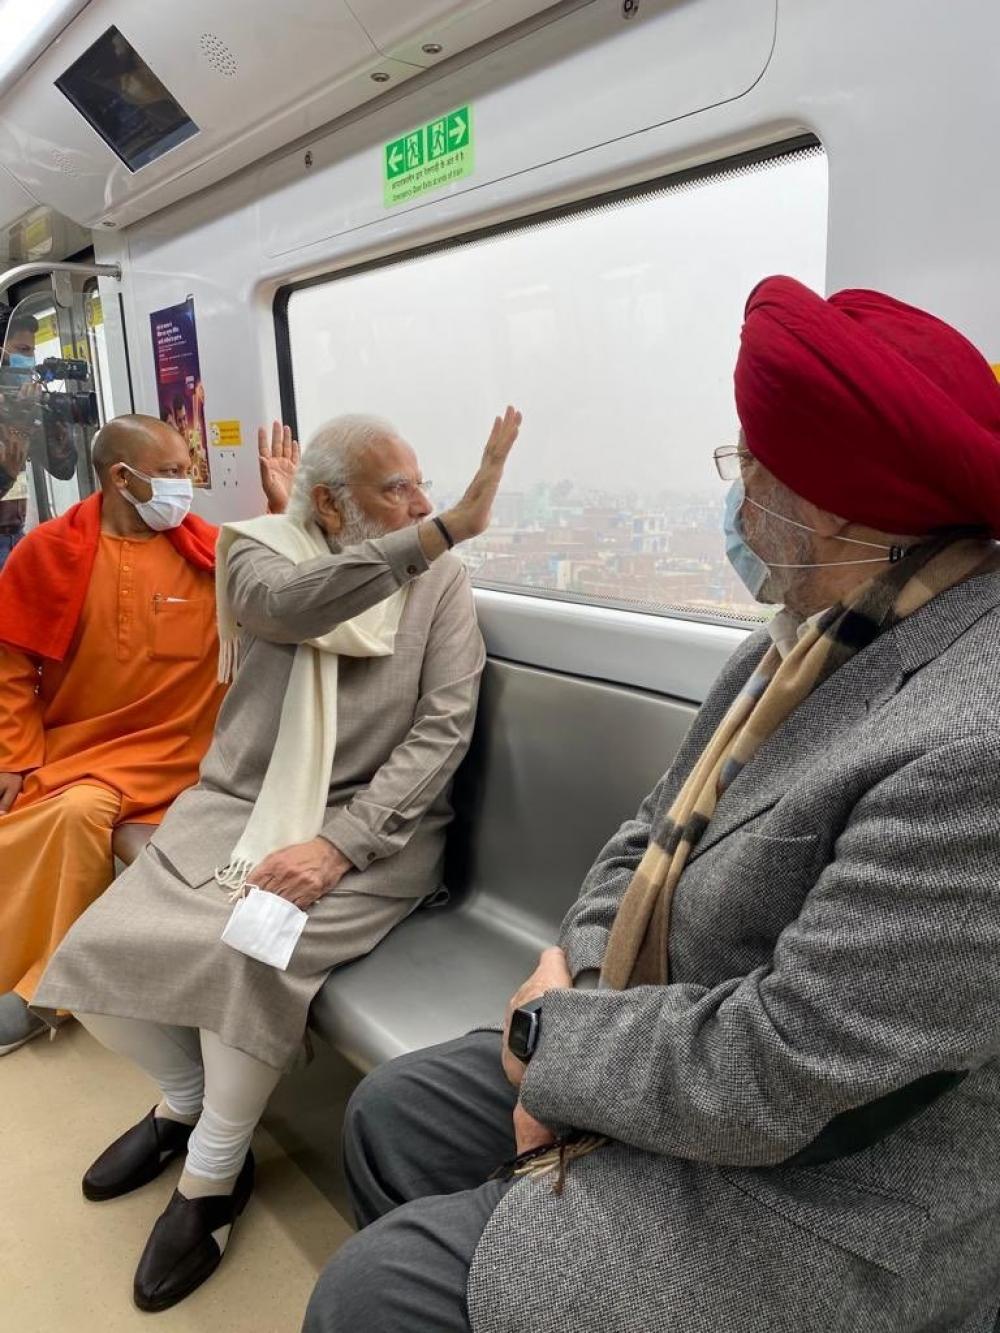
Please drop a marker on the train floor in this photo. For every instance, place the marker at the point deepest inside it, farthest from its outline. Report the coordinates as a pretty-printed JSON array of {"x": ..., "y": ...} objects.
[{"x": 66, "y": 1264}]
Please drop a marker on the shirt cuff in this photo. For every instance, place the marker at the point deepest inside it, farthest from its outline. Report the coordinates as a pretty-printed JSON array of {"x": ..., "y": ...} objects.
[
  {"x": 350, "y": 836},
  {"x": 403, "y": 553},
  {"x": 566, "y": 1039}
]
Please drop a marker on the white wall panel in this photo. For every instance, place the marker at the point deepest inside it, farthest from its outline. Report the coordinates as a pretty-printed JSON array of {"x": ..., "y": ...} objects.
[
  {"x": 628, "y": 76},
  {"x": 401, "y": 30},
  {"x": 906, "y": 98}
]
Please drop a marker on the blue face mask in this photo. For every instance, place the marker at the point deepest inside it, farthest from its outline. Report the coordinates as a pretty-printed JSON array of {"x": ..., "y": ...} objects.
[
  {"x": 21, "y": 361},
  {"x": 752, "y": 569},
  {"x": 748, "y": 565}
]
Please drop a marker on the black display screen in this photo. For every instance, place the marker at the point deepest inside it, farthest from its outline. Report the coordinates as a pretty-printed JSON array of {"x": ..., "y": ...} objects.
[{"x": 116, "y": 91}]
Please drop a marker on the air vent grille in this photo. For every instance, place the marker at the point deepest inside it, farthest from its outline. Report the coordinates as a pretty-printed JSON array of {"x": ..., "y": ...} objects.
[
  {"x": 64, "y": 164},
  {"x": 218, "y": 55}
]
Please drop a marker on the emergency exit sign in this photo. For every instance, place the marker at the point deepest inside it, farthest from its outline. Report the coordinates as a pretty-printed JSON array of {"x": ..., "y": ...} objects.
[{"x": 426, "y": 158}]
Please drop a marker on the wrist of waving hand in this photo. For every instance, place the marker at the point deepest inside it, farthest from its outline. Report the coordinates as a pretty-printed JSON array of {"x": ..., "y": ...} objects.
[{"x": 471, "y": 515}]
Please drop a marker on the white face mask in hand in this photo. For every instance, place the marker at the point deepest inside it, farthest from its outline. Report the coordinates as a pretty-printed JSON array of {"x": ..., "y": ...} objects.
[{"x": 265, "y": 927}]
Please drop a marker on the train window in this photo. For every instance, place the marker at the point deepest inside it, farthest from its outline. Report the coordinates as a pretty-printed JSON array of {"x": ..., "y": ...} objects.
[{"x": 614, "y": 325}]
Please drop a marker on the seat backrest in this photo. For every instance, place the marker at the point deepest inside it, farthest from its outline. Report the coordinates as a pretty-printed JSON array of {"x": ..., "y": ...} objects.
[{"x": 556, "y": 764}]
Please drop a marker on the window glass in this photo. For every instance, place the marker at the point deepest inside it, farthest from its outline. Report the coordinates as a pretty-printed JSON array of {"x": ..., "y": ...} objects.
[
  {"x": 48, "y": 412},
  {"x": 615, "y": 329}
]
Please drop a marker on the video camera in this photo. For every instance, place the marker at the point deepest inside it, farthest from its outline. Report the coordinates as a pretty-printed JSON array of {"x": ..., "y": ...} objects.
[
  {"x": 44, "y": 406},
  {"x": 62, "y": 368}
]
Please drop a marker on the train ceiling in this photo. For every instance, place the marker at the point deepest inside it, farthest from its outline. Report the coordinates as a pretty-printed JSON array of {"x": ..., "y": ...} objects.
[{"x": 111, "y": 110}]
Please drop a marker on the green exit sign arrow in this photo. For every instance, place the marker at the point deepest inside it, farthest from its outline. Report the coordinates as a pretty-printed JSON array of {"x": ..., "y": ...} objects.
[
  {"x": 458, "y": 128},
  {"x": 394, "y": 159},
  {"x": 429, "y": 157}
]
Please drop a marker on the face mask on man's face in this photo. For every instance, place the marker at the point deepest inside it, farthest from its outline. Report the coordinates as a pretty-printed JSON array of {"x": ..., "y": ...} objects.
[
  {"x": 754, "y": 571},
  {"x": 21, "y": 361},
  {"x": 169, "y": 504}
]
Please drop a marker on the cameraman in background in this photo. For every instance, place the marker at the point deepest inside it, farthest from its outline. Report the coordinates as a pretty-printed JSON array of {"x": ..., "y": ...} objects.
[{"x": 23, "y": 434}]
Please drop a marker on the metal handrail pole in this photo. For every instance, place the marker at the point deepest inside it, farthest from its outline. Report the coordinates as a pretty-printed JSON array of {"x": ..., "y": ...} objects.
[{"x": 22, "y": 271}]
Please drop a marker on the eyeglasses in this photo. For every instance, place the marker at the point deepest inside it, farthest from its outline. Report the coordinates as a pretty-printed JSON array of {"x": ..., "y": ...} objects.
[
  {"x": 396, "y": 491},
  {"x": 728, "y": 458}
]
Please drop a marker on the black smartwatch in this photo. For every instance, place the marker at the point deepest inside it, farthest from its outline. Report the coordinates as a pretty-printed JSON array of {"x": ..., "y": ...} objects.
[{"x": 525, "y": 1030}]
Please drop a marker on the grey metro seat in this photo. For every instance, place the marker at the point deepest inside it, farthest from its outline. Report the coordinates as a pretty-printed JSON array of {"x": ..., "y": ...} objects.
[{"x": 556, "y": 764}]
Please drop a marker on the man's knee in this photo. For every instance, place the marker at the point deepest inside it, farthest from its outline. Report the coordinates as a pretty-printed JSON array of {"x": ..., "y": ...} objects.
[
  {"x": 374, "y": 1101},
  {"x": 84, "y": 804},
  {"x": 379, "y": 1139},
  {"x": 344, "y": 1299},
  {"x": 408, "y": 1270}
]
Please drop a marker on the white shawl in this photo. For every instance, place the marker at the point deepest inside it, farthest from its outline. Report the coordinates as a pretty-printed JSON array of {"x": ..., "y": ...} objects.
[{"x": 291, "y": 804}]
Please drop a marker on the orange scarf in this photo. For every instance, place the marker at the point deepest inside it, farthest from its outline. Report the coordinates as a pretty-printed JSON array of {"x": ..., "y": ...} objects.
[{"x": 44, "y": 582}]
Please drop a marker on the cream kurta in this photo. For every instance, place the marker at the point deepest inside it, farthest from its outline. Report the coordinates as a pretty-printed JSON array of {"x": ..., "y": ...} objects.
[{"x": 150, "y": 947}]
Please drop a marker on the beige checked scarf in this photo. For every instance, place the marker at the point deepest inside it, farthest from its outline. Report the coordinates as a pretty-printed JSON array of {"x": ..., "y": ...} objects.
[{"x": 637, "y": 951}]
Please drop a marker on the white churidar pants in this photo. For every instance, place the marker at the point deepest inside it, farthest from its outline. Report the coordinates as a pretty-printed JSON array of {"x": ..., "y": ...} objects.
[{"x": 197, "y": 1074}]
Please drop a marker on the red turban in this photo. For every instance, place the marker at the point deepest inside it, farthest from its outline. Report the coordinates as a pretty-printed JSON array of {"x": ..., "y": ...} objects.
[{"x": 870, "y": 408}]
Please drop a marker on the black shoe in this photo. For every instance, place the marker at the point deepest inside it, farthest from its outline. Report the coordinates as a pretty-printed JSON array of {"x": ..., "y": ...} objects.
[
  {"x": 181, "y": 1251},
  {"x": 136, "y": 1158},
  {"x": 18, "y": 1025}
]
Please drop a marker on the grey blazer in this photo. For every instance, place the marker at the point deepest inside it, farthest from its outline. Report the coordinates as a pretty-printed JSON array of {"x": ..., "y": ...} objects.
[{"x": 835, "y": 938}]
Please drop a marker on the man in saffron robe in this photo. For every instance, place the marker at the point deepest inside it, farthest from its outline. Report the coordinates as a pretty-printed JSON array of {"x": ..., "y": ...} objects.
[{"x": 108, "y": 689}]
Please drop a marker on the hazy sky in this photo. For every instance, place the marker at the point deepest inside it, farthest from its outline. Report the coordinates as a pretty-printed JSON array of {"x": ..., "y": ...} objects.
[{"x": 614, "y": 332}]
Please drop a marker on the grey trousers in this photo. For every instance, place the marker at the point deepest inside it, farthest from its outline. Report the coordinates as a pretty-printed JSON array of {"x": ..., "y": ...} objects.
[{"x": 422, "y": 1135}]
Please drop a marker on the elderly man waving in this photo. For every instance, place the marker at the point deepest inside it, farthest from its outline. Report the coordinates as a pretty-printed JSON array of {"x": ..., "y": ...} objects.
[
  {"x": 785, "y": 1090},
  {"x": 325, "y": 789}
]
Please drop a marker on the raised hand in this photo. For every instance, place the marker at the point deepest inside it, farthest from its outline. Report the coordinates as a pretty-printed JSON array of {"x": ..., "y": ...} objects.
[
  {"x": 279, "y": 462},
  {"x": 13, "y": 452},
  {"x": 471, "y": 515}
]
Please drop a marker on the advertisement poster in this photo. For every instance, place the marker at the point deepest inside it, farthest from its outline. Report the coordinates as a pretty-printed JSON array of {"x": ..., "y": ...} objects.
[{"x": 179, "y": 388}]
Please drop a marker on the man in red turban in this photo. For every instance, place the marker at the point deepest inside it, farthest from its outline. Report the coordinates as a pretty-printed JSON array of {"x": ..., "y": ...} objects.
[
  {"x": 870, "y": 408},
  {"x": 784, "y": 1086},
  {"x": 866, "y": 423}
]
